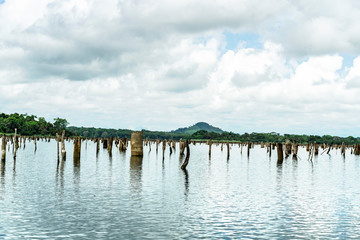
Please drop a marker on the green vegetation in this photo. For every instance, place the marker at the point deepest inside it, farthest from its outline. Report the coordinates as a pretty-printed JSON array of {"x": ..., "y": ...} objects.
[
  {"x": 273, "y": 137},
  {"x": 104, "y": 132},
  {"x": 198, "y": 127},
  {"x": 32, "y": 125}
]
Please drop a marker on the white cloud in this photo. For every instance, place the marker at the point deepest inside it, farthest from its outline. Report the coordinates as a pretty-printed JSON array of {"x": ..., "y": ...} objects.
[{"x": 162, "y": 64}]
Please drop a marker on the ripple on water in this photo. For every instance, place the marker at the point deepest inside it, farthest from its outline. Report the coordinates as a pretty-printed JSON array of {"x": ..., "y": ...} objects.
[{"x": 117, "y": 198}]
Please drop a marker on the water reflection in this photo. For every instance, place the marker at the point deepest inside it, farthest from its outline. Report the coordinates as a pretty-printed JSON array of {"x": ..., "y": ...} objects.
[
  {"x": 252, "y": 199},
  {"x": 186, "y": 183},
  {"x": 2, "y": 173},
  {"x": 59, "y": 177},
  {"x": 136, "y": 175},
  {"x": 14, "y": 173},
  {"x": 76, "y": 172}
]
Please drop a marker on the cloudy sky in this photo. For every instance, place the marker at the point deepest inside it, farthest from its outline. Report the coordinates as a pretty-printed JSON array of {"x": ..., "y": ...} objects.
[{"x": 244, "y": 66}]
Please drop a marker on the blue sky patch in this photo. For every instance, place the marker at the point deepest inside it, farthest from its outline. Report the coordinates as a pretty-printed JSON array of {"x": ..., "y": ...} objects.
[
  {"x": 2, "y": 1},
  {"x": 249, "y": 40},
  {"x": 348, "y": 59}
]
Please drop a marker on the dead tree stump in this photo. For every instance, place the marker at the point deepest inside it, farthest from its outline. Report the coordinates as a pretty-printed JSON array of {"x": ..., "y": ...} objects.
[
  {"x": 3, "y": 147},
  {"x": 137, "y": 143},
  {"x": 279, "y": 153},
  {"x": 186, "y": 162}
]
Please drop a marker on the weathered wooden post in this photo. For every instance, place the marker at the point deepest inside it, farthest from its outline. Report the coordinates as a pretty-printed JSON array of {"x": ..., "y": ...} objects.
[
  {"x": 163, "y": 148},
  {"x": 287, "y": 148},
  {"x": 97, "y": 146},
  {"x": 279, "y": 153},
  {"x": 16, "y": 144},
  {"x": 77, "y": 150},
  {"x": 3, "y": 147},
  {"x": 210, "y": 143},
  {"x": 110, "y": 144},
  {"x": 173, "y": 145},
  {"x": 357, "y": 149},
  {"x": 105, "y": 143},
  {"x": 343, "y": 148},
  {"x": 186, "y": 162},
  {"x": 269, "y": 149},
  {"x": 295, "y": 150},
  {"x": 63, "y": 152},
  {"x": 16, "y": 138},
  {"x": 137, "y": 143},
  {"x": 170, "y": 147},
  {"x": 157, "y": 144},
  {"x": 228, "y": 150},
  {"x": 316, "y": 148},
  {"x": 35, "y": 144},
  {"x": 57, "y": 145},
  {"x": 122, "y": 145},
  {"x": 182, "y": 147}
]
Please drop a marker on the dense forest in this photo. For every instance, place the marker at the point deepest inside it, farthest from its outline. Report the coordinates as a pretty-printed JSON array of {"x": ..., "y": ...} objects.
[
  {"x": 29, "y": 125},
  {"x": 274, "y": 137}
]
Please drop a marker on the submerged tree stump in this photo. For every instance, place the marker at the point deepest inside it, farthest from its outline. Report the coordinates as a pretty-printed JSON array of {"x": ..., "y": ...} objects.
[
  {"x": 97, "y": 146},
  {"x": 269, "y": 150},
  {"x": 3, "y": 147},
  {"x": 57, "y": 146},
  {"x": 357, "y": 149},
  {"x": 77, "y": 150},
  {"x": 210, "y": 143},
  {"x": 279, "y": 153},
  {"x": 186, "y": 162},
  {"x": 105, "y": 143},
  {"x": 137, "y": 143},
  {"x": 16, "y": 143},
  {"x": 295, "y": 150},
  {"x": 110, "y": 144},
  {"x": 163, "y": 148},
  {"x": 182, "y": 147},
  {"x": 343, "y": 149},
  {"x": 173, "y": 145},
  {"x": 228, "y": 151},
  {"x": 35, "y": 144},
  {"x": 63, "y": 151},
  {"x": 157, "y": 144},
  {"x": 122, "y": 144},
  {"x": 287, "y": 148},
  {"x": 316, "y": 149}
]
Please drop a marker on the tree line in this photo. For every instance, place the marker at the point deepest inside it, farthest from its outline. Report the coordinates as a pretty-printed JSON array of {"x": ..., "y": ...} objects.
[
  {"x": 274, "y": 137},
  {"x": 29, "y": 125}
]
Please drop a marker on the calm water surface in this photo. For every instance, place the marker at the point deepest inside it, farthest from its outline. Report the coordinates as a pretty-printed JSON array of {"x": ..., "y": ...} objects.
[{"x": 124, "y": 198}]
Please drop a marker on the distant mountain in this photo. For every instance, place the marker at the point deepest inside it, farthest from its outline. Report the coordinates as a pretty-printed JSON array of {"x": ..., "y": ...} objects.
[{"x": 197, "y": 127}]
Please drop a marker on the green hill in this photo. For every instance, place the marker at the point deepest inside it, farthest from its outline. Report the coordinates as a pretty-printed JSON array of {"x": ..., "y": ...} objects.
[{"x": 197, "y": 127}]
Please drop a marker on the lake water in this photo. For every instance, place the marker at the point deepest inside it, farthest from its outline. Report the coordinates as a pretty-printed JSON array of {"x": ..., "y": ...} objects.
[{"x": 124, "y": 198}]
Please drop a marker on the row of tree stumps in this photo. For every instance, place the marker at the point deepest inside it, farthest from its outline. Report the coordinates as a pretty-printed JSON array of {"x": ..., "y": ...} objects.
[
  {"x": 284, "y": 150},
  {"x": 137, "y": 145}
]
